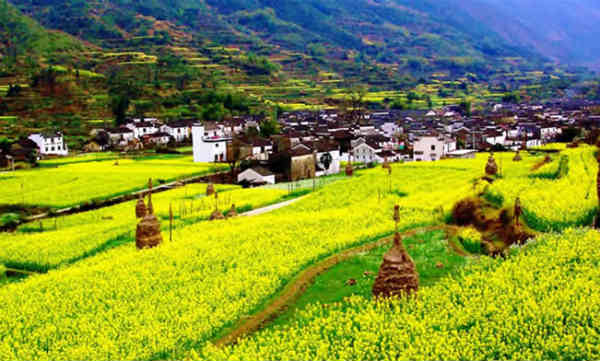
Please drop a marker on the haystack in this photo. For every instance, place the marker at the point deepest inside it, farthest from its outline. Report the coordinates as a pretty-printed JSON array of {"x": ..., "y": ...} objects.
[
  {"x": 491, "y": 168},
  {"x": 140, "y": 207},
  {"x": 517, "y": 157},
  {"x": 148, "y": 233},
  {"x": 232, "y": 212},
  {"x": 349, "y": 170},
  {"x": 210, "y": 189},
  {"x": 386, "y": 164},
  {"x": 216, "y": 215},
  {"x": 397, "y": 274}
]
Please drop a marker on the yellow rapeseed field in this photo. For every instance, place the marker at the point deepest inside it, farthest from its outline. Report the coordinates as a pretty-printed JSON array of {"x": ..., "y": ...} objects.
[
  {"x": 170, "y": 301},
  {"x": 75, "y": 183},
  {"x": 539, "y": 305}
]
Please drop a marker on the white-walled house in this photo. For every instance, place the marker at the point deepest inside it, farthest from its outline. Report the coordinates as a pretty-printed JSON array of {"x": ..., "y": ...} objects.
[
  {"x": 180, "y": 131},
  {"x": 390, "y": 129},
  {"x": 549, "y": 132},
  {"x": 50, "y": 143},
  {"x": 432, "y": 148},
  {"x": 209, "y": 148},
  {"x": 494, "y": 138},
  {"x": 257, "y": 175},
  {"x": 120, "y": 136},
  {"x": 366, "y": 153},
  {"x": 160, "y": 138},
  {"x": 334, "y": 166},
  {"x": 142, "y": 128}
]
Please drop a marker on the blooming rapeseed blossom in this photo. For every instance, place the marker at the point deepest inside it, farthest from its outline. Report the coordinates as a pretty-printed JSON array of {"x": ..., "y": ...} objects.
[{"x": 168, "y": 301}]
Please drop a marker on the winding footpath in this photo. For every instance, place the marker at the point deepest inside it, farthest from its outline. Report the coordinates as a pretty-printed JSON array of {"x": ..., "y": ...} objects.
[
  {"x": 295, "y": 288},
  {"x": 271, "y": 208}
]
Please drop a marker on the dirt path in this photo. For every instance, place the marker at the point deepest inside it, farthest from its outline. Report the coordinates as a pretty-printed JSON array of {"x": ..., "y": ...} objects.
[
  {"x": 271, "y": 208},
  {"x": 295, "y": 288}
]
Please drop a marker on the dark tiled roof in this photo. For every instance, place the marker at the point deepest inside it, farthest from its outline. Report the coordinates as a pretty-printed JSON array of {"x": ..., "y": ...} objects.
[
  {"x": 300, "y": 151},
  {"x": 262, "y": 171},
  {"x": 121, "y": 130}
]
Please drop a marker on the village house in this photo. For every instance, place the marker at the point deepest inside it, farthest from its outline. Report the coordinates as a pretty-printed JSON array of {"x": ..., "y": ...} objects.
[
  {"x": 365, "y": 152},
  {"x": 142, "y": 128},
  {"x": 50, "y": 143},
  {"x": 328, "y": 157},
  {"x": 179, "y": 130},
  {"x": 302, "y": 163},
  {"x": 258, "y": 148},
  {"x": 432, "y": 148},
  {"x": 120, "y": 136},
  {"x": 209, "y": 145},
  {"x": 160, "y": 138},
  {"x": 256, "y": 176}
]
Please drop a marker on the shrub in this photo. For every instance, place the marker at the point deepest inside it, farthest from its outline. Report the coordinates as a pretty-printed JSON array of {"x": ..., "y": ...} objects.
[{"x": 9, "y": 220}]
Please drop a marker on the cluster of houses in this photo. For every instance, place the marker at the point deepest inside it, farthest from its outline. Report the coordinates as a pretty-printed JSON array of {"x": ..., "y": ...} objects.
[
  {"x": 312, "y": 144},
  {"x": 308, "y": 137},
  {"x": 149, "y": 131}
]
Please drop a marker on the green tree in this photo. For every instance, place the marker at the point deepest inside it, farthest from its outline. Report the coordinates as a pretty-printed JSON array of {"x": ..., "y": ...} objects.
[
  {"x": 119, "y": 105},
  {"x": 269, "y": 127}
]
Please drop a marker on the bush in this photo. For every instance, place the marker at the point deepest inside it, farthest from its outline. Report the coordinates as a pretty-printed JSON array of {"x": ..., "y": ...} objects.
[
  {"x": 2, "y": 271},
  {"x": 9, "y": 220}
]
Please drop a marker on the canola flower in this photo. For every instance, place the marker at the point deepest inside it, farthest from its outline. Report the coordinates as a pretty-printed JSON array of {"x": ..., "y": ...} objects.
[
  {"x": 540, "y": 304},
  {"x": 555, "y": 204},
  {"x": 75, "y": 183},
  {"x": 159, "y": 303},
  {"x": 170, "y": 301},
  {"x": 51, "y": 243}
]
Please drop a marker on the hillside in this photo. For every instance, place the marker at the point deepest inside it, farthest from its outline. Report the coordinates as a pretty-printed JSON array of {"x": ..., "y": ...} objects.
[
  {"x": 415, "y": 36},
  {"x": 566, "y": 31},
  {"x": 22, "y": 36},
  {"x": 79, "y": 65}
]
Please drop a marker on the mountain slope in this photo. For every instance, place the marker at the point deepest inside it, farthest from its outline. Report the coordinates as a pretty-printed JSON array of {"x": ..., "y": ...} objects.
[
  {"x": 21, "y": 36},
  {"x": 565, "y": 30},
  {"x": 388, "y": 31}
]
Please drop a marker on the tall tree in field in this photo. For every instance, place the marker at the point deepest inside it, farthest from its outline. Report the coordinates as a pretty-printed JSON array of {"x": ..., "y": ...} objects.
[
  {"x": 356, "y": 97},
  {"x": 236, "y": 152}
]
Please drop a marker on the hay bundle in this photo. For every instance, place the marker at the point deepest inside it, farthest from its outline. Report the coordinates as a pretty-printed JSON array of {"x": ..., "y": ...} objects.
[
  {"x": 386, "y": 164},
  {"x": 349, "y": 170},
  {"x": 491, "y": 168},
  {"x": 148, "y": 233},
  {"x": 140, "y": 207},
  {"x": 210, "y": 190},
  {"x": 232, "y": 212},
  {"x": 397, "y": 274},
  {"x": 517, "y": 157},
  {"x": 216, "y": 215}
]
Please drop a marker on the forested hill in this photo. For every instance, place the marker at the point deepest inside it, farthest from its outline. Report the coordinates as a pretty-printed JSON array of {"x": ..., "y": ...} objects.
[
  {"x": 478, "y": 32},
  {"x": 384, "y": 30},
  {"x": 20, "y": 36}
]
